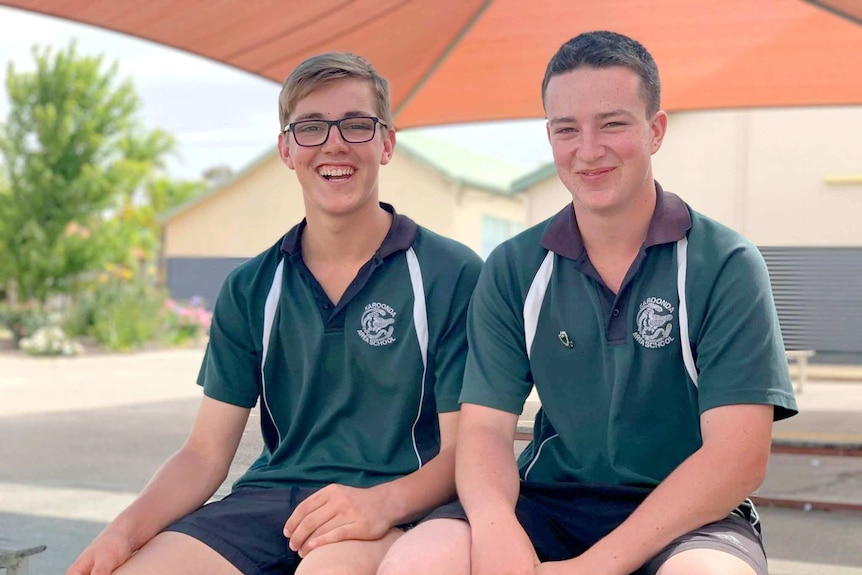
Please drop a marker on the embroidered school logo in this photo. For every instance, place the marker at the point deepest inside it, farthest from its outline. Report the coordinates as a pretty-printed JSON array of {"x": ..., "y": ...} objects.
[
  {"x": 378, "y": 324},
  {"x": 655, "y": 322}
]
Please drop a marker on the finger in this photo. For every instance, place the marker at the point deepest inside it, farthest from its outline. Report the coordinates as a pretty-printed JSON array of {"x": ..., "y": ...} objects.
[
  {"x": 312, "y": 503},
  {"x": 309, "y": 524},
  {"x": 332, "y": 535}
]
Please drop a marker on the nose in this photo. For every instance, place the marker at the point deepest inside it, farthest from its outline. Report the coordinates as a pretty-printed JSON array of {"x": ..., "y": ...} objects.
[
  {"x": 591, "y": 147},
  {"x": 334, "y": 139}
]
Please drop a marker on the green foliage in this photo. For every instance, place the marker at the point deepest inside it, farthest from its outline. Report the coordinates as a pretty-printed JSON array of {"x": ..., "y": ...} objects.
[
  {"x": 185, "y": 322},
  {"x": 74, "y": 160},
  {"x": 125, "y": 309},
  {"x": 23, "y": 320}
]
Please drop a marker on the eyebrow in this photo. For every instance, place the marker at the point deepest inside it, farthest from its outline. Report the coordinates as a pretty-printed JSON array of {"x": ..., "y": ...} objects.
[
  {"x": 601, "y": 116},
  {"x": 319, "y": 116}
]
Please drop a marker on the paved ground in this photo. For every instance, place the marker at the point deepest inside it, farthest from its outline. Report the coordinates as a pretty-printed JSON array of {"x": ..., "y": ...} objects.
[{"x": 79, "y": 437}]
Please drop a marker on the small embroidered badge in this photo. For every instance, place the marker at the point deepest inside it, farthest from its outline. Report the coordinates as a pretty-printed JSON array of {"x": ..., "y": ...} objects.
[{"x": 564, "y": 339}]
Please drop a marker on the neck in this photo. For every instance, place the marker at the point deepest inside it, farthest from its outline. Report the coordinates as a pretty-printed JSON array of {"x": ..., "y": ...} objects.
[
  {"x": 621, "y": 232},
  {"x": 349, "y": 238}
]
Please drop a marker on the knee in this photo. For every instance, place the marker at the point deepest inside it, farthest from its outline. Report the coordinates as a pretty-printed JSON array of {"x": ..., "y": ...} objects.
[
  {"x": 438, "y": 547},
  {"x": 404, "y": 560},
  {"x": 705, "y": 562}
]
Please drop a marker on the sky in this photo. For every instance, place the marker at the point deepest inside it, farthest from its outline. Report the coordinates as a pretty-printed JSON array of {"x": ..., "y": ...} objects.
[{"x": 219, "y": 115}]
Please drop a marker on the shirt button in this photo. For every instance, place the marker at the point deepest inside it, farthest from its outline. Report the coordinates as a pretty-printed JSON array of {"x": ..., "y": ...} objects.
[
  {"x": 616, "y": 312},
  {"x": 326, "y": 306}
]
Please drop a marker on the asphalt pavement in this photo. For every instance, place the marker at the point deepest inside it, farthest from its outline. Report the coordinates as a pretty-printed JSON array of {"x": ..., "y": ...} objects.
[{"x": 79, "y": 437}]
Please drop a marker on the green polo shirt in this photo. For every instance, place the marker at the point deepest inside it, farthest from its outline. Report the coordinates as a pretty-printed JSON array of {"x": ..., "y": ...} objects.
[
  {"x": 349, "y": 393},
  {"x": 618, "y": 406}
]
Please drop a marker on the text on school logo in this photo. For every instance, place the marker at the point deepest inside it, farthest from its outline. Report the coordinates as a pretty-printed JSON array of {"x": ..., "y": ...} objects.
[
  {"x": 655, "y": 323},
  {"x": 378, "y": 324}
]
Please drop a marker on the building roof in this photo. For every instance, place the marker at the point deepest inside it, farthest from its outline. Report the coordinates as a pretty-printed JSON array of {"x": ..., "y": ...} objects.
[{"x": 457, "y": 164}]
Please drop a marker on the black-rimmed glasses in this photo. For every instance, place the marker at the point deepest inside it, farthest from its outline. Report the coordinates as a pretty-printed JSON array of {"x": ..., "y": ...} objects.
[{"x": 354, "y": 130}]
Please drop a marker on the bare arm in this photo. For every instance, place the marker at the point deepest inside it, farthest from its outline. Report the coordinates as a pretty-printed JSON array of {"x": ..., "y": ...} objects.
[
  {"x": 716, "y": 478},
  {"x": 182, "y": 484},
  {"x": 337, "y": 512},
  {"x": 488, "y": 486}
]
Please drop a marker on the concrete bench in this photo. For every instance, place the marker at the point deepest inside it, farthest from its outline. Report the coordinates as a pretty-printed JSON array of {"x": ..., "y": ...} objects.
[
  {"x": 15, "y": 559},
  {"x": 801, "y": 357}
]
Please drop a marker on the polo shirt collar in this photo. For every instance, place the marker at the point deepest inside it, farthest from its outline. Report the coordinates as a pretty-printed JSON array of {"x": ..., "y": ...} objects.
[
  {"x": 400, "y": 236},
  {"x": 670, "y": 222}
]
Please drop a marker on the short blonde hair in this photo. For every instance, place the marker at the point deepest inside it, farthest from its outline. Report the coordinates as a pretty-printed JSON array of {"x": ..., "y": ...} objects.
[{"x": 329, "y": 67}]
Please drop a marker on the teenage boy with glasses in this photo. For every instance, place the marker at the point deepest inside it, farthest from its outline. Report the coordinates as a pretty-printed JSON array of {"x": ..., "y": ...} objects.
[{"x": 350, "y": 331}]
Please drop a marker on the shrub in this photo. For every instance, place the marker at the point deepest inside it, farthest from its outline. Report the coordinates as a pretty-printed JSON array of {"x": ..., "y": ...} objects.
[
  {"x": 22, "y": 320},
  {"x": 50, "y": 340},
  {"x": 125, "y": 311},
  {"x": 185, "y": 321}
]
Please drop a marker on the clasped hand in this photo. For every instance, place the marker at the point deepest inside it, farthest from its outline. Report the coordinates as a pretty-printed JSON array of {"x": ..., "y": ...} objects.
[{"x": 337, "y": 513}]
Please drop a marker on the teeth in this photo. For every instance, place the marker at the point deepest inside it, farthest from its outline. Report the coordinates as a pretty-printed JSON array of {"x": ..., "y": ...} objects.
[{"x": 333, "y": 172}]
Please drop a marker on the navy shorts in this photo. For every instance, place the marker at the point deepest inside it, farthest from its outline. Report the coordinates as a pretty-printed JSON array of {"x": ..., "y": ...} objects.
[
  {"x": 246, "y": 528},
  {"x": 563, "y": 521}
]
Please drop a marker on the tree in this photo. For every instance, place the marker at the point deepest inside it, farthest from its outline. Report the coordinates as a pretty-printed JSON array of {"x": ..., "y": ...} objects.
[{"x": 74, "y": 158}]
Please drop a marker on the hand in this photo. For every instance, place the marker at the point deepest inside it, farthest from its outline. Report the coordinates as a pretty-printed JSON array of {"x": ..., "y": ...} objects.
[
  {"x": 107, "y": 552},
  {"x": 502, "y": 548},
  {"x": 336, "y": 513}
]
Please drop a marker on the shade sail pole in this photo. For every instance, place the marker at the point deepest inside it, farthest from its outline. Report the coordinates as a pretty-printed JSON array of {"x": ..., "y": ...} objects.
[{"x": 442, "y": 58}]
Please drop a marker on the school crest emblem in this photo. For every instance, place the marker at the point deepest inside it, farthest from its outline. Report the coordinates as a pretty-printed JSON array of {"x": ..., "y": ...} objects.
[
  {"x": 654, "y": 323},
  {"x": 378, "y": 324}
]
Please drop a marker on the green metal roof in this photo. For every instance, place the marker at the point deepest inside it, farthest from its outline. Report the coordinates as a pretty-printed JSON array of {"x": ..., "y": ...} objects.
[
  {"x": 534, "y": 177},
  {"x": 461, "y": 165}
]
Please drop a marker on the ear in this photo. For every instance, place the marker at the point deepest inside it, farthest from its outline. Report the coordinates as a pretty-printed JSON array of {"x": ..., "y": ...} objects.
[
  {"x": 388, "y": 146},
  {"x": 284, "y": 150},
  {"x": 658, "y": 128},
  {"x": 548, "y": 131}
]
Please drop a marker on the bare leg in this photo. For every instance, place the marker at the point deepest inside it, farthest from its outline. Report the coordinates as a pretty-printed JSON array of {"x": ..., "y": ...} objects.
[
  {"x": 351, "y": 557},
  {"x": 439, "y": 546},
  {"x": 172, "y": 553},
  {"x": 705, "y": 562}
]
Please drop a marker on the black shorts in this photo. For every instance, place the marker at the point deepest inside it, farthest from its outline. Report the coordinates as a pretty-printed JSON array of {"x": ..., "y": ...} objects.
[
  {"x": 246, "y": 528},
  {"x": 563, "y": 521}
]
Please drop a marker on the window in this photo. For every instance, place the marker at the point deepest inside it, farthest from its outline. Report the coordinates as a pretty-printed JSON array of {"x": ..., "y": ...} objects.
[{"x": 495, "y": 231}]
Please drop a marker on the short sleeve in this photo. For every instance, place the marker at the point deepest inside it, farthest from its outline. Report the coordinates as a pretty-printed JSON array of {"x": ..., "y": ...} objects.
[
  {"x": 451, "y": 348},
  {"x": 497, "y": 373},
  {"x": 231, "y": 365},
  {"x": 740, "y": 351}
]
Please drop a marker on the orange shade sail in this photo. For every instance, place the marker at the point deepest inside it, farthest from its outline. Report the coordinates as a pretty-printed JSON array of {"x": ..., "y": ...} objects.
[{"x": 451, "y": 61}]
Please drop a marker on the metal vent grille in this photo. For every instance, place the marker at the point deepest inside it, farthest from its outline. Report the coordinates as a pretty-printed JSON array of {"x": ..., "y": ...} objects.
[{"x": 818, "y": 297}]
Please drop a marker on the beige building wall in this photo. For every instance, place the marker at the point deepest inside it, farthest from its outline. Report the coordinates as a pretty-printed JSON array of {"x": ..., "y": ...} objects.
[
  {"x": 251, "y": 213},
  {"x": 791, "y": 203},
  {"x": 240, "y": 220},
  {"x": 546, "y": 198},
  {"x": 441, "y": 205},
  {"x": 761, "y": 172},
  {"x": 473, "y": 205}
]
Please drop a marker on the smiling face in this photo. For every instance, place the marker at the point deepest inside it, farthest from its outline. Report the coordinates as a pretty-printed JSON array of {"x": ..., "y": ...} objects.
[
  {"x": 338, "y": 178},
  {"x": 602, "y": 138}
]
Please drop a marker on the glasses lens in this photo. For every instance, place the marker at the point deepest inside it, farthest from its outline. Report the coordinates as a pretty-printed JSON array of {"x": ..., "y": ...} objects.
[
  {"x": 310, "y": 132},
  {"x": 357, "y": 130}
]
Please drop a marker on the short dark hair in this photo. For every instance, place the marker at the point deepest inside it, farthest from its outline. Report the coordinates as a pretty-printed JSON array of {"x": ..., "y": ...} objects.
[{"x": 603, "y": 49}]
